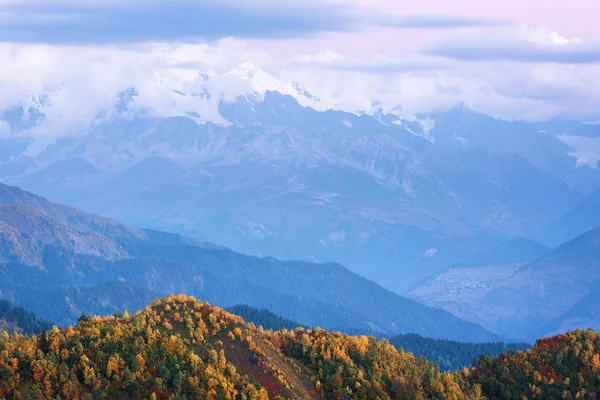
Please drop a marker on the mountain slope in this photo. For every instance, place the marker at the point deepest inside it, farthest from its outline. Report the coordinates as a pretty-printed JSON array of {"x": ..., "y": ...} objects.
[
  {"x": 522, "y": 298},
  {"x": 585, "y": 314},
  {"x": 17, "y": 319},
  {"x": 515, "y": 250},
  {"x": 181, "y": 348},
  {"x": 550, "y": 286},
  {"x": 149, "y": 263},
  {"x": 582, "y": 218},
  {"x": 449, "y": 355},
  {"x": 263, "y": 317},
  {"x": 29, "y": 223}
]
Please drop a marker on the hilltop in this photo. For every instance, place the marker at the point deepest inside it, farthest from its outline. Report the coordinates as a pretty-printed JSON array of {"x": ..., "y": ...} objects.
[
  {"x": 180, "y": 348},
  {"x": 184, "y": 348}
]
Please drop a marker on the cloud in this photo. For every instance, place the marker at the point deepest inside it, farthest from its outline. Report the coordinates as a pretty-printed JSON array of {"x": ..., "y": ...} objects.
[
  {"x": 379, "y": 64},
  {"x": 503, "y": 89},
  {"x": 438, "y": 21},
  {"x": 129, "y": 21},
  {"x": 78, "y": 86},
  {"x": 4, "y": 129},
  {"x": 518, "y": 45}
]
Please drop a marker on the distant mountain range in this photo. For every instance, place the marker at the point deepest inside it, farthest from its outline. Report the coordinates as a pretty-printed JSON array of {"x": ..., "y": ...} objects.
[
  {"x": 59, "y": 263},
  {"x": 550, "y": 294},
  {"x": 277, "y": 172}
]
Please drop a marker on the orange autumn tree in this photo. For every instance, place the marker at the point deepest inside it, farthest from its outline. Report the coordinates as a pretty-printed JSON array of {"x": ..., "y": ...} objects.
[{"x": 180, "y": 348}]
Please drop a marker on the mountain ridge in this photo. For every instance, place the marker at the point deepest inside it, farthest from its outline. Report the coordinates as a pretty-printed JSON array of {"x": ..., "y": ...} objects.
[
  {"x": 157, "y": 263},
  {"x": 378, "y": 183}
]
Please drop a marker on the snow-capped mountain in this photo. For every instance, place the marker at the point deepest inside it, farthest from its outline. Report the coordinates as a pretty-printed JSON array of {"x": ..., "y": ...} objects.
[
  {"x": 261, "y": 83},
  {"x": 263, "y": 166}
]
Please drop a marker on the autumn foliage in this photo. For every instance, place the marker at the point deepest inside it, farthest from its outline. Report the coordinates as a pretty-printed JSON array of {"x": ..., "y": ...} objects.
[
  {"x": 180, "y": 348},
  {"x": 561, "y": 367}
]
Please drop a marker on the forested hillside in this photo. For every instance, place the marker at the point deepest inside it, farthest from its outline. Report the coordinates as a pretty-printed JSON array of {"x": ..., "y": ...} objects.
[
  {"x": 180, "y": 348},
  {"x": 451, "y": 355},
  {"x": 17, "y": 319},
  {"x": 448, "y": 354},
  {"x": 563, "y": 366},
  {"x": 263, "y": 317}
]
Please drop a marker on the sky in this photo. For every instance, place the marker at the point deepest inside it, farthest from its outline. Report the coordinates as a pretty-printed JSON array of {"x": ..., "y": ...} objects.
[
  {"x": 576, "y": 18},
  {"x": 516, "y": 60}
]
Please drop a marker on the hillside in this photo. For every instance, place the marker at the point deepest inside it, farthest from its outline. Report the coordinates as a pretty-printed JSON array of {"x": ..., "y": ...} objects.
[
  {"x": 53, "y": 274},
  {"x": 551, "y": 286},
  {"x": 192, "y": 350},
  {"x": 451, "y": 355},
  {"x": 265, "y": 318},
  {"x": 585, "y": 314},
  {"x": 580, "y": 219},
  {"x": 29, "y": 224},
  {"x": 179, "y": 348},
  {"x": 562, "y": 366},
  {"x": 512, "y": 251},
  {"x": 521, "y": 299},
  {"x": 17, "y": 319}
]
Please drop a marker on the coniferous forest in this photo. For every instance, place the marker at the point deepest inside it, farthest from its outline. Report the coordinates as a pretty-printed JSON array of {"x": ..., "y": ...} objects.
[
  {"x": 451, "y": 355},
  {"x": 14, "y": 318},
  {"x": 181, "y": 348}
]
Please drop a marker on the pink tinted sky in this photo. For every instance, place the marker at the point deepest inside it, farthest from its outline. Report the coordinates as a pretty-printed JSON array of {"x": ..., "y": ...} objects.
[{"x": 570, "y": 18}]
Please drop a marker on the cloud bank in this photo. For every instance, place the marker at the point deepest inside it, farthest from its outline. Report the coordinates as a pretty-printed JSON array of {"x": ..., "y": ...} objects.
[
  {"x": 75, "y": 86},
  {"x": 133, "y": 21},
  {"x": 518, "y": 45}
]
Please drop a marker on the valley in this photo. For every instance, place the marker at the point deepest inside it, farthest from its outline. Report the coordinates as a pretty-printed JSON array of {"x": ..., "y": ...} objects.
[
  {"x": 463, "y": 291},
  {"x": 524, "y": 298}
]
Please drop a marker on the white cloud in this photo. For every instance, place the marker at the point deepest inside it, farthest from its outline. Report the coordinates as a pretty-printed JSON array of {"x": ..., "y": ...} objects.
[
  {"x": 378, "y": 64},
  {"x": 519, "y": 44},
  {"x": 547, "y": 36},
  {"x": 79, "y": 86}
]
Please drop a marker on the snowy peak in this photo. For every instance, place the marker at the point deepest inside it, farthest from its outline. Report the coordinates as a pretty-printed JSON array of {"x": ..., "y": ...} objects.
[
  {"x": 207, "y": 74},
  {"x": 246, "y": 70},
  {"x": 260, "y": 80},
  {"x": 302, "y": 90}
]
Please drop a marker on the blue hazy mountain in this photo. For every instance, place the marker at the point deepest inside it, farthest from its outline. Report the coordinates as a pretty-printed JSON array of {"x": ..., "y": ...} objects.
[
  {"x": 581, "y": 218},
  {"x": 59, "y": 263},
  {"x": 395, "y": 199},
  {"x": 553, "y": 293},
  {"x": 514, "y": 250}
]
